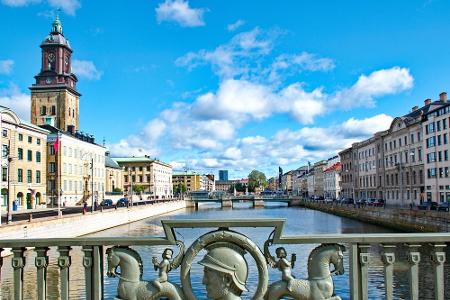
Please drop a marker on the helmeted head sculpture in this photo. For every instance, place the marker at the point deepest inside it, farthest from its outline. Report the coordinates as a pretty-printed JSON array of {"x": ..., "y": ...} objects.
[{"x": 225, "y": 272}]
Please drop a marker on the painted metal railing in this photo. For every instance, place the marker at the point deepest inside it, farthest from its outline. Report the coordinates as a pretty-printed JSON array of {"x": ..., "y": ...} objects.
[{"x": 225, "y": 260}]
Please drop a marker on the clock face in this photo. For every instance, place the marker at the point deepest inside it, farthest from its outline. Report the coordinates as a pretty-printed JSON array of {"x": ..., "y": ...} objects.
[
  {"x": 48, "y": 80},
  {"x": 51, "y": 57}
]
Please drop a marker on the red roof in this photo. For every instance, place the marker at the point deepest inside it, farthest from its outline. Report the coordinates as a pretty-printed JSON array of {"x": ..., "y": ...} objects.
[{"x": 335, "y": 167}]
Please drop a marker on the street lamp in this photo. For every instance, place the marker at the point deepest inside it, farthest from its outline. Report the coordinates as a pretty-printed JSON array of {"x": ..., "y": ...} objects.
[{"x": 92, "y": 177}]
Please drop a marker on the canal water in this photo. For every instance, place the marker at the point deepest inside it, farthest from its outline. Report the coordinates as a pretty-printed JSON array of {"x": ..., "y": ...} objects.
[{"x": 299, "y": 221}]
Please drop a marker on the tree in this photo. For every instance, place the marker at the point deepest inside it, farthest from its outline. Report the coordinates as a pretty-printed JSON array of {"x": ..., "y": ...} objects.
[
  {"x": 179, "y": 188},
  {"x": 256, "y": 179},
  {"x": 138, "y": 188},
  {"x": 117, "y": 190}
]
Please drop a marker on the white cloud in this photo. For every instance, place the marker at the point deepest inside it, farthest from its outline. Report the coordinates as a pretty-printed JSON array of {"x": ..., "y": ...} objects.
[
  {"x": 18, "y": 3},
  {"x": 86, "y": 69},
  {"x": 6, "y": 66},
  {"x": 19, "y": 102},
  {"x": 235, "y": 58},
  {"x": 235, "y": 25},
  {"x": 365, "y": 127},
  {"x": 376, "y": 84},
  {"x": 179, "y": 11},
  {"x": 68, "y": 6}
]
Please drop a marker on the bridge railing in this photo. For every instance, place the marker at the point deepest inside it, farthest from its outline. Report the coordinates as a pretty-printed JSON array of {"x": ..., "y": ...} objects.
[{"x": 390, "y": 248}]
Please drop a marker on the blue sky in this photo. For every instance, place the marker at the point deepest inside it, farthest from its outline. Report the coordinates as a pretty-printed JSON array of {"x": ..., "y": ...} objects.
[{"x": 238, "y": 85}]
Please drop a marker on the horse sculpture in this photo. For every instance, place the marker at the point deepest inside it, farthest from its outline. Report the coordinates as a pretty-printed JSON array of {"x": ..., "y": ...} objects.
[
  {"x": 131, "y": 286},
  {"x": 319, "y": 285}
]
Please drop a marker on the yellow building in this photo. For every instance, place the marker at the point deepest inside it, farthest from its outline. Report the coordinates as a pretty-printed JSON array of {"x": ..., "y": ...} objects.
[
  {"x": 150, "y": 177},
  {"x": 23, "y": 161},
  {"x": 192, "y": 181},
  {"x": 76, "y": 169},
  {"x": 114, "y": 176}
]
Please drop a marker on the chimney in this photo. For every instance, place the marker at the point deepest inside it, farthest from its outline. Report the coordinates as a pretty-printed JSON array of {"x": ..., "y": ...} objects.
[
  {"x": 443, "y": 97},
  {"x": 427, "y": 101},
  {"x": 415, "y": 108}
]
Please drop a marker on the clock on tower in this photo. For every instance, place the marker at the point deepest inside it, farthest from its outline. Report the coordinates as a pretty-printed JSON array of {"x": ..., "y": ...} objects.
[{"x": 54, "y": 95}]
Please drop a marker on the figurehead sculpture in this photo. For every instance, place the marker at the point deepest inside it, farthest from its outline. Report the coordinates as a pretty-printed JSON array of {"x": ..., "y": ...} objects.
[{"x": 225, "y": 272}]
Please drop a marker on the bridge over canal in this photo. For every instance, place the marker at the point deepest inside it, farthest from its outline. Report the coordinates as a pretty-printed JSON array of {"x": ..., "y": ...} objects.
[{"x": 227, "y": 201}]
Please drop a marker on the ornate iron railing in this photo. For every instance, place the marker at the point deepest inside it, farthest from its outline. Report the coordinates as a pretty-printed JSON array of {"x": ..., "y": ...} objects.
[{"x": 225, "y": 266}]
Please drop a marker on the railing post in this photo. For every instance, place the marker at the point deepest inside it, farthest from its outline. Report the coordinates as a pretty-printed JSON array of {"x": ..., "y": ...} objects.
[
  {"x": 438, "y": 259},
  {"x": 87, "y": 263},
  {"x": 364, "y": 259},
  {"x": 414, "y": 259},
  {"x": 18, "y": 262},
  {"x": 1, "y": 265},
  {"x": 41, "y": 263},
  {"x": 355, "y": 276},
  {"x": 388, "y": 257},
  {"x": 93, "y": 264},
  {"x": 64, "y": 262}
]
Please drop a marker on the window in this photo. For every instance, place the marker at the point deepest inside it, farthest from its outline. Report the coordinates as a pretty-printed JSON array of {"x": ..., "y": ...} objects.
[
  {"x": 52, "y": 167},
  {"x": 43, "y": 110},
  {"x": 30, "y": 155},
  {"x": 431, "y": 142},
  {"x": 5, "y": 132},
  {"x": 38, "y": 176},
  {"x": 412, "y": 138},
  {"x": 133, "y": 178},
  {"x": 29, "y": 176},
  {"x": 38, "y": 156},
  {"x": 30, "y": 139},
  {"x": 19, "y": 175},
  {"x": 19, "y": 153},
  {"x": 5, "y": 150},
  {"x": 440, "y": 155},
  {"x": 38, "y": 141},
  {"x": 431, "y": 173},
  {"x": 438, "y": 125},
  {"x": 418, "y": 136},
  {"x": 125, "y": 178},
  {"x": 444, "y": 136},
  {"x": 140, "y": 168},
  {"x": 446, "y": 155},
  {"x": 439, "y": 140},
  {"x": 53, "y": 111},
  {"x": 20, "y": 137},
  {"x": 419, "y": 153},
  {"x": 51, "y": 150},
  {"x": 406, "y": 140},
  {"x": 430, "y": 128},
  {"x": 444, "y": 123},
  {"x": 4, "y": 174}
]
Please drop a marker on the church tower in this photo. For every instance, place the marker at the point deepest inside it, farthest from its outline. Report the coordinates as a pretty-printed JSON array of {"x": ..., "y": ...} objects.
[{"x": 54, "y": 96}]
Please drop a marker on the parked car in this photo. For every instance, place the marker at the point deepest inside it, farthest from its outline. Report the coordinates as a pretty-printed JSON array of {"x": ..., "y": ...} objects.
[
  {"x": 106, "y": 202},
  {"x": 347, "y": 201},
  {"x": 371, "y": 201},
  {"x": 122, "y": 202},
  {"x": 444, "y": 206},
  {"x": 361, "y": 202},
  {"x": 378, "y": 203},
  {"x": 428, "y": 206},
  {"x": 329, "y": 200}
]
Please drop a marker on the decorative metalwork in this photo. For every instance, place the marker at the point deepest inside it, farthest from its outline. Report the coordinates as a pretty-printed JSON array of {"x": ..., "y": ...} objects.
[{"x": 225, "y": 273}]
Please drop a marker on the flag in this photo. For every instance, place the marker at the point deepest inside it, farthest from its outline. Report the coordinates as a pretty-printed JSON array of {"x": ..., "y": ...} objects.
[{"x": 56, "y": 144}]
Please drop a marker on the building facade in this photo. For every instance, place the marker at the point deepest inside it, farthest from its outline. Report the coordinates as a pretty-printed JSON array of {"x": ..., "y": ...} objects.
[
  {"x": 23, "y": 158},
  {"x": 149, "y": 177},
  {"x": 299, "y": 184},
  {"x": 54, "y": 96},
  {"x": 113, "y": 177},
  {"x": 223, "y": 175},
  {"x": 319, "y": 178},
  {"x": 436, "y": 130},
  {"x": 347, "y": 171},
  {"x": 332, "y": 178},
  {"x": 75, "y": 168},
  {"x": 190, "y": 180}
]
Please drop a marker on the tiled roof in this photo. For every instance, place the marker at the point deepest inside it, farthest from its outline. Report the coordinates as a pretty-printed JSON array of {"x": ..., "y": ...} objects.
[{"x": 335, "y": 167}]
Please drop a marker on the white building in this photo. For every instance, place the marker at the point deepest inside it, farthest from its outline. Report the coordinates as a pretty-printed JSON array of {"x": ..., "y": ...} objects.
[{"x": 332, "y": 178}]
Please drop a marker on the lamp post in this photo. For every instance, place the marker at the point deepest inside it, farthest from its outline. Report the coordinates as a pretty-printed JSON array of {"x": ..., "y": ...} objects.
[{"x": 92, "y": 178}]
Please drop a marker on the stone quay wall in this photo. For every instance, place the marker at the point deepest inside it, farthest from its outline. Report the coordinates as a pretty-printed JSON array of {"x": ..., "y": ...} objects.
[
  {"x": 406, "y": 220},
  {"x": 78, "y": 225}
]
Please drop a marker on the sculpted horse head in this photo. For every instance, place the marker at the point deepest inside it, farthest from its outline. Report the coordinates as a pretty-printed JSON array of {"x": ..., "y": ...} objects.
[
  {"x": 131, "y": 286},
  {"x": 319, "y": 284}
]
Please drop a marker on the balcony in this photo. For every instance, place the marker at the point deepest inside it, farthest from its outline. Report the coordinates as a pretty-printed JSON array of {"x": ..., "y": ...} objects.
[{"x": 105, "y": 256}]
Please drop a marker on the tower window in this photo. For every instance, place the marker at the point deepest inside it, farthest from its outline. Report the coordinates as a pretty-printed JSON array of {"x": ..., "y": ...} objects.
[
  {"x": 53, "y": 110},
  {"x": 43, "y": 110}
]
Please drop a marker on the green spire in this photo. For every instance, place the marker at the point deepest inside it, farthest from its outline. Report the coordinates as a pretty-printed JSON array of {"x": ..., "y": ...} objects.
[{"x": 56, "y": 26}]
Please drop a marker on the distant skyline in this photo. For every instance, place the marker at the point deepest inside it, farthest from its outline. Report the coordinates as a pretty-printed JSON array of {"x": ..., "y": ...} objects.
[{"x": 236, "y": 85}]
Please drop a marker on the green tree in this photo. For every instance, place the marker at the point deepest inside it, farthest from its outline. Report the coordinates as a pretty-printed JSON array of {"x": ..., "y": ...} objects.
[
  {"x": 256, "y": 179},
  {"x": 179, "y": 188},
  {"x": 117, "y": 190},
  {"x": 138, "y": 188}
]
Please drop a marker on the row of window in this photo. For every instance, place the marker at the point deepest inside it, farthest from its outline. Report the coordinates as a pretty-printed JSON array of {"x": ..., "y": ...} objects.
[
  {"x": 20, "y": 175},
  {"x": 29, "y": 155},
  {"x": 141, "y": 178},
  {"x": 440, "y": 139},
  {"x": 393, "y": 144},
  {"x": 434, "y": 172},
  {"x": 437, "y": 156},
  {"x": 436, "y": 126},
  {"x": 29, "y": 138}
]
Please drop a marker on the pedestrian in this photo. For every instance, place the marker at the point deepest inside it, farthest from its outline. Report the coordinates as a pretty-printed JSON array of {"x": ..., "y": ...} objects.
[{"x": 84, "y": 208}]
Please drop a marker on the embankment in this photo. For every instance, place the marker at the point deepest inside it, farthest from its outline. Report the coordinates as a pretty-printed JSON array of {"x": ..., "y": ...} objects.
[
  {"x": 399, "y": 219},
  {"x": 78, "y": 225}
]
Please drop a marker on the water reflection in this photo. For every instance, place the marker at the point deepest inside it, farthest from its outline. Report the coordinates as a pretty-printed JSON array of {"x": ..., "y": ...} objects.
[{"x": 299, "y": 221}]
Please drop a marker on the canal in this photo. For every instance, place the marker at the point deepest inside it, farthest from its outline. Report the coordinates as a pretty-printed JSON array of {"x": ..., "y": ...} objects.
[{"x": 299, "y": 221}]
